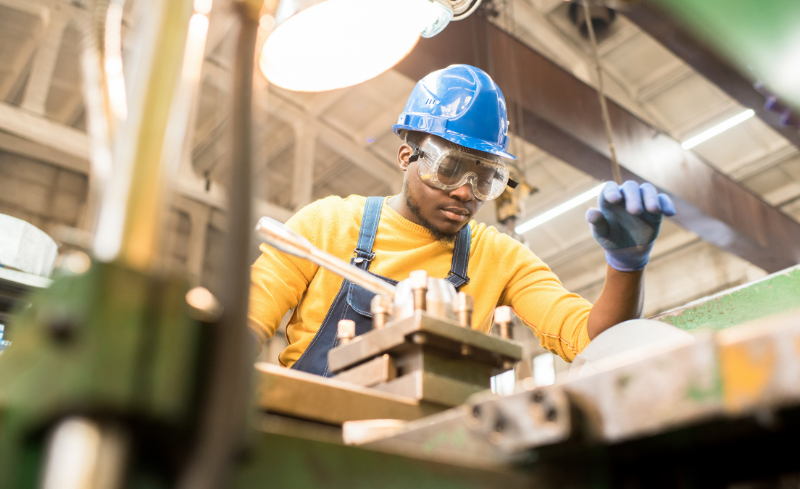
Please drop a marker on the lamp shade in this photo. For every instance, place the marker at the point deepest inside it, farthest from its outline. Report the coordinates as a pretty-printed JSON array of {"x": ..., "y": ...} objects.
[{"x": 330, "y": 44}]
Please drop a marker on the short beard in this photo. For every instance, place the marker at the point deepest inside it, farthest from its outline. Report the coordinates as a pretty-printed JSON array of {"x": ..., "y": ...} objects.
[{"x": 414, "y": 207}]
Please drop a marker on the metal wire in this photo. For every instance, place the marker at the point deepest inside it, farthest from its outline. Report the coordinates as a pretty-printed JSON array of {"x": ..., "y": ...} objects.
[{"x": 601, "y": 95}]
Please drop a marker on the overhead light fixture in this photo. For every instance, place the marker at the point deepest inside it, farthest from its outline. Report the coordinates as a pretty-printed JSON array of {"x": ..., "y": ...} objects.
[
  {"x": 321, "y": 45},
  {"x": 559, "y": 209},
  {"x": 718, "y": 129}
]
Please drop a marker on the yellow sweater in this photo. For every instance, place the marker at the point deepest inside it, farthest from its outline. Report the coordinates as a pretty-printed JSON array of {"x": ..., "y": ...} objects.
[{"x": 501, "y": 271}]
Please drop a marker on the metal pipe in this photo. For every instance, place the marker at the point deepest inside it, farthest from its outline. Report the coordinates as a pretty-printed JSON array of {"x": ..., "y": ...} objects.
[
  {"x": 283, "y": 238},
  {"x": 130, "y": 214},
  {"x": 224, "y": 411}
]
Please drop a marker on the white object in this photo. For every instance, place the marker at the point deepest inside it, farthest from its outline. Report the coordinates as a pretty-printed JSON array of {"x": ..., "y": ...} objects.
[
  {"x": 559, "y": 209},
  {"x": 365, "y": 431},
  {"x": 25, "y": 247},
  {"x": 324, "y": 45},
  {"x": 544, "y": 369},
  {"x": 627, "y": 342}
]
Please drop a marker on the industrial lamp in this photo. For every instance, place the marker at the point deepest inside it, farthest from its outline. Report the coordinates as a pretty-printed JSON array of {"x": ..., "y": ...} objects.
[{"x": 323, "y": 45}]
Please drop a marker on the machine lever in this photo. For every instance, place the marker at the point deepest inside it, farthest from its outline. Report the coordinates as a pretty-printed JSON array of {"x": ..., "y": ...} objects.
[{"x": 283, "y": 238}]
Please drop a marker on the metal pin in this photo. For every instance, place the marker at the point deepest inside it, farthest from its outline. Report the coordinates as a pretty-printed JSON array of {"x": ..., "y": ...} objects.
[
  {"x": 502, "y": 317},
  {"x": 419, "y": 284},
  {"x": 381, "y": 308},
  {"x": 346, "y": 331},
  {"x": 463, "y": 307}
]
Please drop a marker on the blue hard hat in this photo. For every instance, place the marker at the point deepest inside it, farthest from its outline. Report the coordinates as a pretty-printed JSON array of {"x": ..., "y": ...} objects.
[{"x": 461, "y": 104}]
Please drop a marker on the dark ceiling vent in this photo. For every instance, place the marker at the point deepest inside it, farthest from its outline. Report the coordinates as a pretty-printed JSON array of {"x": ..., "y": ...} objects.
[{"x": 602, "y": 18}]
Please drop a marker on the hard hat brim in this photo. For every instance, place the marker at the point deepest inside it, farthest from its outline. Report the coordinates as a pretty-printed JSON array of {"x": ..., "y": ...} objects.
[{"x": 461, "y": 140}]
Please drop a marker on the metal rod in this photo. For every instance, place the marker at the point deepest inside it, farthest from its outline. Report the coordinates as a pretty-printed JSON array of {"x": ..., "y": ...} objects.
[
  {"x": 130, "y": 215},
  {"x": 286, "y": 240},
  {"x": 601, "y": 95},
  {"x": 224, "y": 410}
]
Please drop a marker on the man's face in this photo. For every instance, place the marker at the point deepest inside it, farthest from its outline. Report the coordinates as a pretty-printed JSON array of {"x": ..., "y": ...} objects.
[{"x": 442, "y": 212}]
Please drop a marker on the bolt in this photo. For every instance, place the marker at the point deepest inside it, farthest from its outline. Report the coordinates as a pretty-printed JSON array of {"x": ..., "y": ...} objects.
[
  {"x": 419, "y": 284},
  {"x": 381, "y": 308},
  {"x": 346, "y": 331},
  {"x": 551, "y": 414},
  {"x": 465, "y": 350},
  {"x": 463, "y": 307},
  {"x": 508, "y": 365},
  {"x": 502, "y": 317},
  {"x": 537, "y": 397},
  {"x": 419, "y": 338}
]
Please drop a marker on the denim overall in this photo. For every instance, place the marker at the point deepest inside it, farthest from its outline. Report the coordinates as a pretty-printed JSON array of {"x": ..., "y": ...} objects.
[{"x": 353, "y": 302}]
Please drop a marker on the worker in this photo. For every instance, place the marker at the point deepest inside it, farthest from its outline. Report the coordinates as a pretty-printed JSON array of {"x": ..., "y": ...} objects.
[{"x": 454, "y": 131}]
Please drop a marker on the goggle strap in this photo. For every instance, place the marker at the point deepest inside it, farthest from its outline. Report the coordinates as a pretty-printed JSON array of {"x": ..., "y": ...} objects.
[{"x": 418, "y": 153}]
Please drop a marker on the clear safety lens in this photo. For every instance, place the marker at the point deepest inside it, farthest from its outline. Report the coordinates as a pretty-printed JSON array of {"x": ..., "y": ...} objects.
[{"x": 447, "y": 166}]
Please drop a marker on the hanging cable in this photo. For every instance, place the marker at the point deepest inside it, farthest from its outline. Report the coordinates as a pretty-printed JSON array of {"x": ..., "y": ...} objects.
[
  {"x": 601, "y": 94},
  {"x": 469, "y": 12}
]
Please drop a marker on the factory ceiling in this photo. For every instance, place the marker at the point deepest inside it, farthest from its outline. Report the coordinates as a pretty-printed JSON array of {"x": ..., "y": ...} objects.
[{"x": 340, "y": 142}]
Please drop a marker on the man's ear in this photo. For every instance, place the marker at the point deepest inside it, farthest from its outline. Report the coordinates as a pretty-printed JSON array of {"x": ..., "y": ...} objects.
[{"x": 403, "y": 154}]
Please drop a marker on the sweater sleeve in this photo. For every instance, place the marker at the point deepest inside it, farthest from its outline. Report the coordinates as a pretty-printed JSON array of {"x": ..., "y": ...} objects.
[
  {"x": 558, "y": 317},
  {"x": 278, "y": 280}
]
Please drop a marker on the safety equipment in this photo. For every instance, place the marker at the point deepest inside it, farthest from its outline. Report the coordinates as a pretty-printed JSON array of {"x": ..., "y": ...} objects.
[
  {"x": 447, "y": 166},
  {"x": 627, "y": 223},
  {"x": 461, "y": 104}
]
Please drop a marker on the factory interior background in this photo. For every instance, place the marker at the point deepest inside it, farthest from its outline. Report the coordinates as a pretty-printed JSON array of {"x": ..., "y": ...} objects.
[{"x": 340, "y": 142}]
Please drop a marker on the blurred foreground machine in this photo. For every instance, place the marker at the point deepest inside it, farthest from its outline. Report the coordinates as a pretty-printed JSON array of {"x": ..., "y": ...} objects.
[{"x": 123, "y": 378}]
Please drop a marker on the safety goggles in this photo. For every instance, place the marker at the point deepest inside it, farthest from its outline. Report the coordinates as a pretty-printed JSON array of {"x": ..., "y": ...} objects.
[{"x": 447, "y": 166}]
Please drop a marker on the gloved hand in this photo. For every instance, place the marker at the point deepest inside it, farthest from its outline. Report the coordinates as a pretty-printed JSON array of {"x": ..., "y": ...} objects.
[{"x": 627, "y": 223}]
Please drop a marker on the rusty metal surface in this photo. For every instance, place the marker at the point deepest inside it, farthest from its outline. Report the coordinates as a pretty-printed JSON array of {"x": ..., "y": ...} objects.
[
  {"x": 312, "y": 397},
  {"x": 562, "y": 116},
  {"x": 488, "y": 431},
  {"x": 773, "y": 295},
  {"x": 376, "y": 371},
  {"x": 446, "y": 334},
  {"x": 430, "y": 387},
  {"x": 713, "y": 389}
]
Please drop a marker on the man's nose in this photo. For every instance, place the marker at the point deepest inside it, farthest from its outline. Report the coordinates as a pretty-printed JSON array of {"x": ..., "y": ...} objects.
[{"x": 463, "y": 193}]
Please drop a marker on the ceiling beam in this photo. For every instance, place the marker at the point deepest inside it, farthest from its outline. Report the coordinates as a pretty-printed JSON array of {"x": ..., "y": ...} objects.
[
  {"x": 44, "y": 63},
  {"x": 674, "y": 37},
  {"x": 43, "y": 131},
  {"x": 562, "y": 116}
]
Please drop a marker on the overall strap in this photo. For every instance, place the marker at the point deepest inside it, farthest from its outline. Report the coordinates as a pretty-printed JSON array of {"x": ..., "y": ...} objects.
[
  {"x": 458, "y": 268},
  {"x": 363, "y": 255}
]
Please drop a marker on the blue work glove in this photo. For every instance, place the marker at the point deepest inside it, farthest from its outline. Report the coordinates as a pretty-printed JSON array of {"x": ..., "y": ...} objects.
[{"x": 627, "y": 223}]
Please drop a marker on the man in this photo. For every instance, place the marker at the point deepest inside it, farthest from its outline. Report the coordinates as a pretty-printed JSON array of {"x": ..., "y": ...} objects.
[{"x": 454, "y": 129}]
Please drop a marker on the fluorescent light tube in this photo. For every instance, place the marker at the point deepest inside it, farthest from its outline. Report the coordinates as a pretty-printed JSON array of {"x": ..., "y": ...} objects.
[
  {"x": 718, "y": 129},
  {"x": 559, "y": 209}
]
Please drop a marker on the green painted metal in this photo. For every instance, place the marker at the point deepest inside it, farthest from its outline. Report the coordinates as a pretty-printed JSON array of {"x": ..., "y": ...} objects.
[
  {"x": 112, "y": 342},
  {"x": 761, "y": 37},
  {"x": 776, "y": 294},
  {"x": 295, "y": 463}
]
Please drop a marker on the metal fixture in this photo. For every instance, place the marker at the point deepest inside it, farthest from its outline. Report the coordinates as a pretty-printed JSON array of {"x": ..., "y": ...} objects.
[
  {"x": 285, "y": 239},
  {"x": 419, "y": 284},
  {"x": 503, "y": 316},
  {"x": 381, "y": 309},
  {"x": 463, "y": 307},
  {"x": 345, "y": 332}
]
